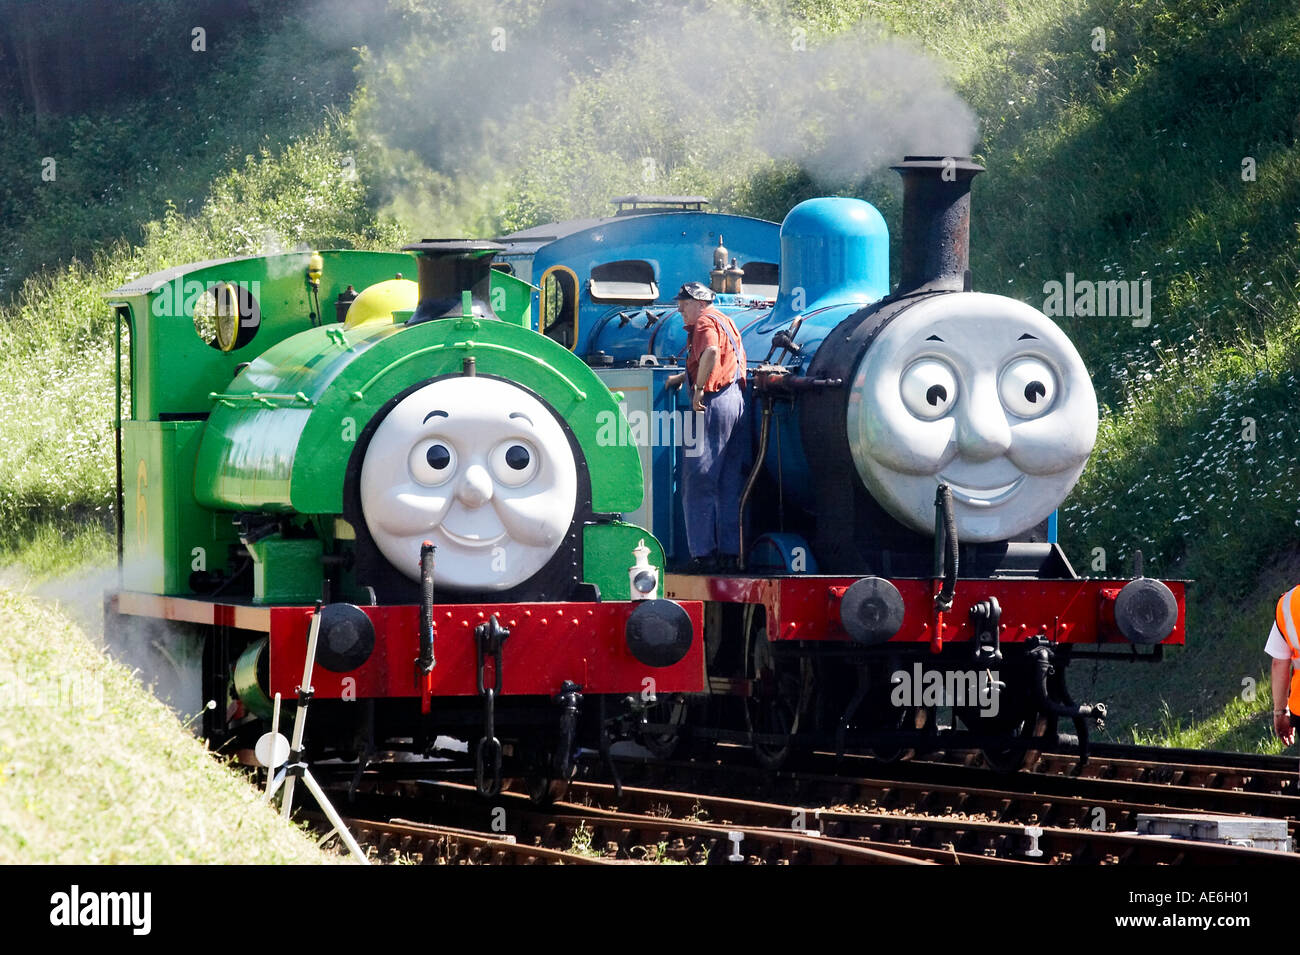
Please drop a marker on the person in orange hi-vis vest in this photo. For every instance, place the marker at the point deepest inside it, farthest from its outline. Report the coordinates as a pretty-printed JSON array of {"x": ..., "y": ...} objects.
[
  {"x": 713, "y": 468},
  {"x": 1284, "y": 647}
]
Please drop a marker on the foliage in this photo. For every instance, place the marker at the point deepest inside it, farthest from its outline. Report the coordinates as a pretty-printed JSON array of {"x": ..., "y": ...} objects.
[
  {"x": 120, "y": 165},
  {"x": 580, "y": 843},
  {"x": 56, "y": 351}
]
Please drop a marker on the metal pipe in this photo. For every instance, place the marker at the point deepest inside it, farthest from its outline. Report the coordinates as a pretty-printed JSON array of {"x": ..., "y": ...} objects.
[
  {"x": 764, "y": 434},
  {"x": 947, "y": 549},
  {"x": 1042, "y": 659},
  {"x": 448, "y": 267},
  {"x": 936, "y": 223},
  {"x": 117, "y": 438},
  {"x": 425, "y": 662}
]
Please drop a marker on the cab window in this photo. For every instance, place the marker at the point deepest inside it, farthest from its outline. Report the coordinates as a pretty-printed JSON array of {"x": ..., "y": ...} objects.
[
  {"x": 559, "y": 319},
  {"x": 628, "y": 281},
  {"x": 762, "y": 279}
]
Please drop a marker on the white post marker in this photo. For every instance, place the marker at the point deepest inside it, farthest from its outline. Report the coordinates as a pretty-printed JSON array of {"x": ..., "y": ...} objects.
[
  {"x": 1033, "y": 832},
  {"x": 272, "y": 750},
  {"x": 288, "y": 775},
  {"x": 735, "y": 838}
]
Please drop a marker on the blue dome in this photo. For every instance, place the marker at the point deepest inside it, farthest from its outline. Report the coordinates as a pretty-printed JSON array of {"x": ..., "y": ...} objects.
[{"x": 833, "y": 251}]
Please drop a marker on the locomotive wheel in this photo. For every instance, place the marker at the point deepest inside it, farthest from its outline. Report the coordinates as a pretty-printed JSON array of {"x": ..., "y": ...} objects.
[
  {"x": 780, "y": 694},
  {"x": 1016, "y": 754},
  {"x": 672, "y": 710},
  {"x": 907, "y": 719},
  {"x": 543, "y": 785},
  {"x": 544, "y": 789}
]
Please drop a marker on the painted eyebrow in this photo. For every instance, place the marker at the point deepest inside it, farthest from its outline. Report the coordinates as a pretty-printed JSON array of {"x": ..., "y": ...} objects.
[
  {"x": 1027, "y": 335},
  {"x": 435, "y": 414},
  {"x": 520, "y": 414},
  {"x": 935, "y": 338}
]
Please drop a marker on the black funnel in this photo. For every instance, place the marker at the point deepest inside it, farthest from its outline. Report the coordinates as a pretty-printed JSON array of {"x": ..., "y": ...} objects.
[
  {"x": 449, "y": 267},
  {"x": 936, "y": 222}
]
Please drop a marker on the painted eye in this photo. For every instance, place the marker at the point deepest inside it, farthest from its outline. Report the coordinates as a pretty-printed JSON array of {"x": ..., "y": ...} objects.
[
  {"x": 438, "y": 457},
  {"x": 432, "y": 462},
  {"x": 1027, "y": 387},
  {"x": 514, "y": 462},
  {"x": 929, "y": 388}
]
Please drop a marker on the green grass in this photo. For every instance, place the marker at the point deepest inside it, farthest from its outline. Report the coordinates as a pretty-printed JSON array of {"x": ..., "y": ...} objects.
[
  {"x": 53, "y": 549},
  {"x": 1239, "y": 726},
  {"x": 94, "y": 769}
]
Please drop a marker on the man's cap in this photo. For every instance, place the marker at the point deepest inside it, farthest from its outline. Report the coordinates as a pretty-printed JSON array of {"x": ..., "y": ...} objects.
[{"x": 696, "y": 290}]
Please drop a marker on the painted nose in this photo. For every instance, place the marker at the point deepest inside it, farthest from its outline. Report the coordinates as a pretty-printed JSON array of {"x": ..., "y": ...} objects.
[
  {"x": 475, "y": 488},
  {"x": 982, "y": 429}
]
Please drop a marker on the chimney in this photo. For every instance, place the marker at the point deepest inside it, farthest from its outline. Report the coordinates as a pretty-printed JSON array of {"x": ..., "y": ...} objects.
[
  {"x": 449, "y": 267},
  {"x": 936, "y": 223}
]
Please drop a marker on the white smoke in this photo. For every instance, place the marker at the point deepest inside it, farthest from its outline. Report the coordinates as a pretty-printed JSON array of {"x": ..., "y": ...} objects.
[
  {"x": 167, "y": 657},
  {"x": 863, "y": 105},
  {"x": 627, "y": 83}
]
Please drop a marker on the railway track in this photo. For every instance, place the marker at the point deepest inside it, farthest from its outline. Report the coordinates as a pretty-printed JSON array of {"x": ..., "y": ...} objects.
[
  {"x": 1231, "y": 778},
  {"x": 897, "y": 796},
  {"x": 1200, "y": 789},
  {"x": 824, "y": 809},
  {"x": 427, "y": 843},
  {"x": 1201, "y": 768},
  {"x": 970, "y": 838},
  {"x": 605, "y": 834},
  {"x": 867, "y": 813},
  {"x": 1194, "y": 757}
]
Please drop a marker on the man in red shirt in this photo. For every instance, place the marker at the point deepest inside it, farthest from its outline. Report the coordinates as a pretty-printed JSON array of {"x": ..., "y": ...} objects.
[{"x": 713, "y": 470}]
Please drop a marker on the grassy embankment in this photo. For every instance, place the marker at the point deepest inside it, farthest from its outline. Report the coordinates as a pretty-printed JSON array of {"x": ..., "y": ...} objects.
[{"x": 94, "y": 769}]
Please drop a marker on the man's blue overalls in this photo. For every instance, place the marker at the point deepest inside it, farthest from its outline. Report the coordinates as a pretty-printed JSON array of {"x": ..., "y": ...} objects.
[{"x": 713, "y": 468}]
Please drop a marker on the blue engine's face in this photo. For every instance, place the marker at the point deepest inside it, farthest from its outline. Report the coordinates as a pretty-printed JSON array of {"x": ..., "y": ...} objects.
[{"x": 979, "y": 392}]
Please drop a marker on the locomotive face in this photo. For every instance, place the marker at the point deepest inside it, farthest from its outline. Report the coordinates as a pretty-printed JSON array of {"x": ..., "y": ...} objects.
[
  {"x": 979, "y": 392},
  {"x": 480, "y": 468}
]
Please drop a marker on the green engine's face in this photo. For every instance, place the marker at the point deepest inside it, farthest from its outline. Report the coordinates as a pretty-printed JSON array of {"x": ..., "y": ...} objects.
[{"x": 480, "y": 468}]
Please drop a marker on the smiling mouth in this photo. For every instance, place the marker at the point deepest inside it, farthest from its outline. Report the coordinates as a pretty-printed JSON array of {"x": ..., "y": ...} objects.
[
  {"x": 982, "y": 496},
  {"x": 471, "y": 541}
]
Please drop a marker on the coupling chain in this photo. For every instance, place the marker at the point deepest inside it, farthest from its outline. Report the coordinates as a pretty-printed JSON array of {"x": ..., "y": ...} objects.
[{"x": 488, "y": 638}]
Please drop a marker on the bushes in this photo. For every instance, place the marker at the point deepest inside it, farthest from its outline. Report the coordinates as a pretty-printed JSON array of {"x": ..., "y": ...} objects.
[
  {"x": 56, "y": 351},
  {"x": 258, "y": 85}
]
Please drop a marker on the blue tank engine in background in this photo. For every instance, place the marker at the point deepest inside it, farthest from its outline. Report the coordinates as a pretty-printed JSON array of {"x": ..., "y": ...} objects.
[
  {"x": 604, "y": 288},
  {"x": 901, "y": 434}
]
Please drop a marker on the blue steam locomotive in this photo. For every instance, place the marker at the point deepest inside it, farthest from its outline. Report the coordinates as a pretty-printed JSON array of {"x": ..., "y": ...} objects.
[{"x": 913, "y": 448}]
